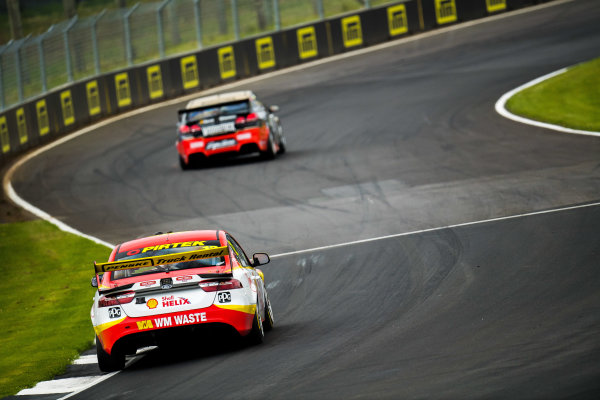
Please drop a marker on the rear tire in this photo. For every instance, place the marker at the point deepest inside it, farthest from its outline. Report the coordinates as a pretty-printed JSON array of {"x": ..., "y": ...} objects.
[
  {"x": 257, "y": 334},
  {"x": 281, "y": 141},
  {"x": 182, "y": 164},
  {"x": 109, "y": 362},
  {"x": 269, "y": 154},
  {"x": 269, "y": 320}
]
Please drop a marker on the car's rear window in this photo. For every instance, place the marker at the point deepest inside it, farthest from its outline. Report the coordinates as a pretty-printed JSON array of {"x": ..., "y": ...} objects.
[
  {"x": 236, "y": 108},
  {"x": 158, "y": 251}
]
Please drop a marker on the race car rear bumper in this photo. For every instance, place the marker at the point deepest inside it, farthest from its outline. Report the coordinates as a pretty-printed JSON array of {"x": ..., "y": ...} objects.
[
  {"x": 245, "y": 141},
  {"x": 126, "y": 331}
]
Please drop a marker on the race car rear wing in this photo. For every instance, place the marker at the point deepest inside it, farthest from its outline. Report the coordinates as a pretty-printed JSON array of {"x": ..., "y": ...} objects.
[
  {"x": 101, "y": 268},
  {"x": 204, "y": 107}
]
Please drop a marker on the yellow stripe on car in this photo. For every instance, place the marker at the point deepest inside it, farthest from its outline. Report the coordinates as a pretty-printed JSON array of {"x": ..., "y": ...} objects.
[
  {"x": 105, "y": 326},
  {"x": 248, "y": 309}
]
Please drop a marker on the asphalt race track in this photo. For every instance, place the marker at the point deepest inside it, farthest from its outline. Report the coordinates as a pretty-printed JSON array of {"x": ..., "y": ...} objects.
[{"x": 404, "y": 139}]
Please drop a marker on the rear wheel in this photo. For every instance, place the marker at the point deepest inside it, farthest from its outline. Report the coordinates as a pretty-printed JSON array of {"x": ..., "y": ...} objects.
[
  {"x": 257, "y": 334},
  {"x": 281, "y": 141},
  {"x": 269, "y": 154},
  {"x": 109, "y": 362},
  {"x": 182, "y": 164},
  {"x": 269, "y": 320}
]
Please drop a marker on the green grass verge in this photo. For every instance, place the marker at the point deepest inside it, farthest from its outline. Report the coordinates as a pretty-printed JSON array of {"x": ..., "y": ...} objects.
[
  {"x": 45, "y": 301},
  {"x": 571, "y": 99}
]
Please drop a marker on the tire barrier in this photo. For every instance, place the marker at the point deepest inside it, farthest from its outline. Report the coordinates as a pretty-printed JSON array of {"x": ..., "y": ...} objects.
[{"x": 64, "y": 110}]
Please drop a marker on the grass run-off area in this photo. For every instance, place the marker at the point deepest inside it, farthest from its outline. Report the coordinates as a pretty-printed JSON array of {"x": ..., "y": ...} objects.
[
  {"x": 45, "y": 301},
  {"x": 571, "y": 99}
]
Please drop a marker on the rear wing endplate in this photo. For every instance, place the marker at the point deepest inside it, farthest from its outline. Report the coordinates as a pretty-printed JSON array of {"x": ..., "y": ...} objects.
[{"x": 161, "y": 260}]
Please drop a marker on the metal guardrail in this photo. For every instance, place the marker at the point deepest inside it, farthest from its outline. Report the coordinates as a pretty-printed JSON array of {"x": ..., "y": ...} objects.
[{"x": 86, "y": 47}]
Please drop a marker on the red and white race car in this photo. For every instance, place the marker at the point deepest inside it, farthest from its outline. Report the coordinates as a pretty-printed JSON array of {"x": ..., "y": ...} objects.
[
  {"x": 155, "y": 289},
  {"x": 227, "y": 124}
]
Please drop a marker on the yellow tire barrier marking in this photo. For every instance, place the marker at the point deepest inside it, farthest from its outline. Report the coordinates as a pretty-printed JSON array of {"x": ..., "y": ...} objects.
[
  {"x": 352, "y": 31},
  {"x": 122, "y": 88},
  {"x": 445, "y": 11},
  {"x": 93, "y": 97},
  {"x": 397, "y": 22},
  {"x": 189, "y": 72},
  {"x": 307, "y": 42},
  {"x": 265, "y": 53},
  {"x": 226, "y": 62},
  {"x": 42, "y": 117},
  {"x": 155, "y": 86},
  {"x": 66, "y": 104}
]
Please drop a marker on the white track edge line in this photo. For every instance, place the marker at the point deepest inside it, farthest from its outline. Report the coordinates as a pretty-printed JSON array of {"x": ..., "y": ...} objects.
[
  {"x": 101, "y": 378},
  {"x": 501, "y": 107},
  {"x": 89, "y": 385}
]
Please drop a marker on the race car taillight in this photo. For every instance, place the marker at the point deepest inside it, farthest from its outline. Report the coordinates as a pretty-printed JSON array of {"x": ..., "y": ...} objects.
[
  {"x": 213, "y": 286},
  {"x": 116, "y": 299},
  {"x": 251, "y": 119},
  {"x": 186, "y": 129}
]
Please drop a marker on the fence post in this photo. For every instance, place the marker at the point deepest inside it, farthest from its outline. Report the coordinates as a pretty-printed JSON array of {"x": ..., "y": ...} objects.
[
  {"x": 128, "y": 46},
  {"x": 367, "y": 4},
  {"x": 67, "y": 48},
  {"x": 236, "y": 21},
  {"x": 320, "y": 9},
  {"x": 159, "y": 20},
  {"x": 43, "y": 59},
  {"x": 95, "y": 42},
  {"x": 198, "y": 16},
  {"x": 277, "y": 16},
  {"x": 18, "y": 67},
  {"x": 2, "y": 50}
]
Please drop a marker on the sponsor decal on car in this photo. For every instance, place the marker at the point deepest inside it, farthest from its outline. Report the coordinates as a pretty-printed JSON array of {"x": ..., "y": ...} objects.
[
  {"x": 173, "y": 320},
  {"x": 152, "y": 303},
  {"x": 165, "y": 246},
  {"x": 172, "y": 246},
  {"x": 217, "y": 129},
  {"x": 147, "y": 324},
  {"x": 171, "y": 301},
  {"x": 114, "y": 312},
  {"x": 221, "y": 144},
  {"x": 224, "y": 297}
]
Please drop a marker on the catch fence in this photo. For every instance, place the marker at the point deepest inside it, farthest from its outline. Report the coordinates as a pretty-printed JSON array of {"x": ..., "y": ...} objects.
[{"x": 114, "y": 39}]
